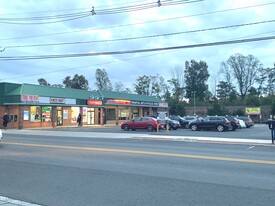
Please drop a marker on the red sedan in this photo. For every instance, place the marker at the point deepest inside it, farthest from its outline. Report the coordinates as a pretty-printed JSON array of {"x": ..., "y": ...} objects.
[{"x": 148, "y": 123}]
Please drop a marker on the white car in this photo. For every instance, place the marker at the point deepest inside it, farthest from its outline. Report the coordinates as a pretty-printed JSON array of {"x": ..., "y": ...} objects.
[{"x": 242, "y": 123}]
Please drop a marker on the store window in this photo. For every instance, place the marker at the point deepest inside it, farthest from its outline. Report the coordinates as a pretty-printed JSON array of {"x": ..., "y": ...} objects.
[
  {"x": 74, "y": 114},
  {"x": 123, "y": 114},
  {"x": 46, "y": 114},
  {"x": 84, "y": 114},
  {"x": 35, "y": 112},
  {"x": 111, "y": 114}
]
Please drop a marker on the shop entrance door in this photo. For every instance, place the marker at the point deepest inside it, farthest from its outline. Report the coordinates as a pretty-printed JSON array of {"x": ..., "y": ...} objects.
[
  {"x": 90, "y": 117},
  {"x": 59, "y": 118}
]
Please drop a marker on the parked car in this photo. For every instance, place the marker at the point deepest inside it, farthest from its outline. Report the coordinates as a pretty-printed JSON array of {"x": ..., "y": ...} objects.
[
  {"x": 241, "y": 124},
  {"x": 148, "y": 123},
  {"x": 247, "y": 120},
  {"x": 1, "y": 135},
  {"x": 209, "y": 123},
  {"x": 234, "y": 123},
  {"x": 173, "y": 124},
  {"x": 182, "y": 121},
  {"x": 188, "y": 119}
]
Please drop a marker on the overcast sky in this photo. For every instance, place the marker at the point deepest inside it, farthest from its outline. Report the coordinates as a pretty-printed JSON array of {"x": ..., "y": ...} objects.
[{"x": 113, "y": 29}]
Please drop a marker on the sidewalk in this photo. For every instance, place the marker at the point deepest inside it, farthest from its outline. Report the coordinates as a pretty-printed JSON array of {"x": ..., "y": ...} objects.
[{"x": 153, "y": 136}]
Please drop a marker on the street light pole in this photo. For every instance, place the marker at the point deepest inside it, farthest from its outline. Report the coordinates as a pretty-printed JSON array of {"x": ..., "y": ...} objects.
[{"x": 194, "y": 103}]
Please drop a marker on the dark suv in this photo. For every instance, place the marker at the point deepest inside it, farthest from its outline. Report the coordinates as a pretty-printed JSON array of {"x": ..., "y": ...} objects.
[{"x": 209, "y": 123}]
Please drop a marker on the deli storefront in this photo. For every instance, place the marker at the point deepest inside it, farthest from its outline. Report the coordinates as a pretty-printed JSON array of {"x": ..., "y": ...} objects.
[{"x": 34, "y": 106}]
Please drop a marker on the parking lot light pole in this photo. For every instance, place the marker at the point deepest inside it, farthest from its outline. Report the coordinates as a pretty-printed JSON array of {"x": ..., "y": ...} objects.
[{"x": 194, "y": 103}]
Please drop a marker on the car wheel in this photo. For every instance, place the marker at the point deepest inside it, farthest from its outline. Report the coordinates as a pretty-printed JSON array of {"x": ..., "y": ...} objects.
[
  {"x": 150, "y": 128},
  {"x": 126, "y": 127},
  {"x": 194, "y": 127},
  {"x": 231, "y": 127},
  {"x": 220, "y": 128}
]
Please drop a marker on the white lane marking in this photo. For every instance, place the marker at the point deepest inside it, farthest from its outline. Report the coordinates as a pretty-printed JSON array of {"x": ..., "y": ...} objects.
[
  {"x": 16, "y": 202},
  {"x": 250, "y": 147}
]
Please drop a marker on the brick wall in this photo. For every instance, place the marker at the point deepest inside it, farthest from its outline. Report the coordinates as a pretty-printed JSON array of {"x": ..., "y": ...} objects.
[{"x": 202, "y": 111}]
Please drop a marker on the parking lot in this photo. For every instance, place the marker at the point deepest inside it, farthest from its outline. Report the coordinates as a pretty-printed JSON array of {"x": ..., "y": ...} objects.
[{"x": 258, "y": 131}]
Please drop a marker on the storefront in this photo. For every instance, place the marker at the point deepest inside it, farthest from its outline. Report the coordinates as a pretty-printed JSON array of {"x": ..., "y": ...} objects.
[{"x": 34, "y": 106}]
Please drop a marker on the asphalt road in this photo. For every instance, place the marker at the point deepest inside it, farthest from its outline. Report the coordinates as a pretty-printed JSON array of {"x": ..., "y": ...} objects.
[{"x": 69, "y": 171}]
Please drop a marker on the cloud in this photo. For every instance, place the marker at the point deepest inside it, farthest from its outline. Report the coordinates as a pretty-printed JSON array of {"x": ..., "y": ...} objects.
[{"x": 127, "y": 68}]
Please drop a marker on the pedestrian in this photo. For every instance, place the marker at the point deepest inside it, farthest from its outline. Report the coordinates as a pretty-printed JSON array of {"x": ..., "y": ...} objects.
[
  {"x": 79, "y": 120},
  {"x": 5, "y": 120}
]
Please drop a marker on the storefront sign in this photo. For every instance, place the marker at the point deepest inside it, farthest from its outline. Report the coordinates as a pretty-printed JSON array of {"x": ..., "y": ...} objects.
[
  {"x": 141, "y": 103},
  {"x": 26, "y": 98},
  {"x": 57, "y": 100},
  {"x": 93, "y": 102},
  {"x": 117, "y": 101},
  {"x": 163, "y": 104},
  {"x": 252, "y": 110}
]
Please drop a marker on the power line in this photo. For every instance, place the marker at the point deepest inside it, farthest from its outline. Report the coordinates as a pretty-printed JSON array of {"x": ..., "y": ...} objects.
[
  {"x": 12, "y": 58},
  {"x": 141, "y": 37},
  {"x": 73, "y": 16},
  {"x": 46, "y": 19},
  {"x": 74, "y": 68},
  {"x": 124, "y": 25}
]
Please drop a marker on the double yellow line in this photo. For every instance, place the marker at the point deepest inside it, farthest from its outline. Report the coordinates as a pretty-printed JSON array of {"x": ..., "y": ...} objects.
[{"x": 145, "y": 153}]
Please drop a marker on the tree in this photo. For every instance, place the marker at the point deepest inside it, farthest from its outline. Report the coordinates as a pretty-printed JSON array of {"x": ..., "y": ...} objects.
[
  {"x": 217, "y": 109},
  {"x": 270, "y": 80},
  {"x": 119, "y": 87},
  {"x": 176, "y": 89},
  {"x": 150, "y": 85},
  {"x": 43, "y": 82},
  {"x": 244, "y": 69},
  {"x": 224, "y": 90},
  {"x": 102, "y": 80},
  {"x": 142, "y": 85},
  {"x": 196, "y": 75},
  {"x": 158, "y": 83},
  {"x": 178, "y": 74},
  {"x": 78, "y": 82},
  {"x": 57, "y": 85}
]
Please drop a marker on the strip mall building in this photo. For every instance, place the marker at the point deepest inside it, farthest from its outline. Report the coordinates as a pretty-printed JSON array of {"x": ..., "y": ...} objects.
[{"x": 35, "y": 106}]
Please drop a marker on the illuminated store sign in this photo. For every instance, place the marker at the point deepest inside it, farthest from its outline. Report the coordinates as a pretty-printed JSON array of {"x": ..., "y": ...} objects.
[
  {"x": 118, "y": 101},
  {"x": 163, "y": 104},
  {"x": 57, "y": 100},
  {"x": 26, "y": 98},
  {"x": 93, "y": 102},
  {"x": 141, "y": 103}
]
